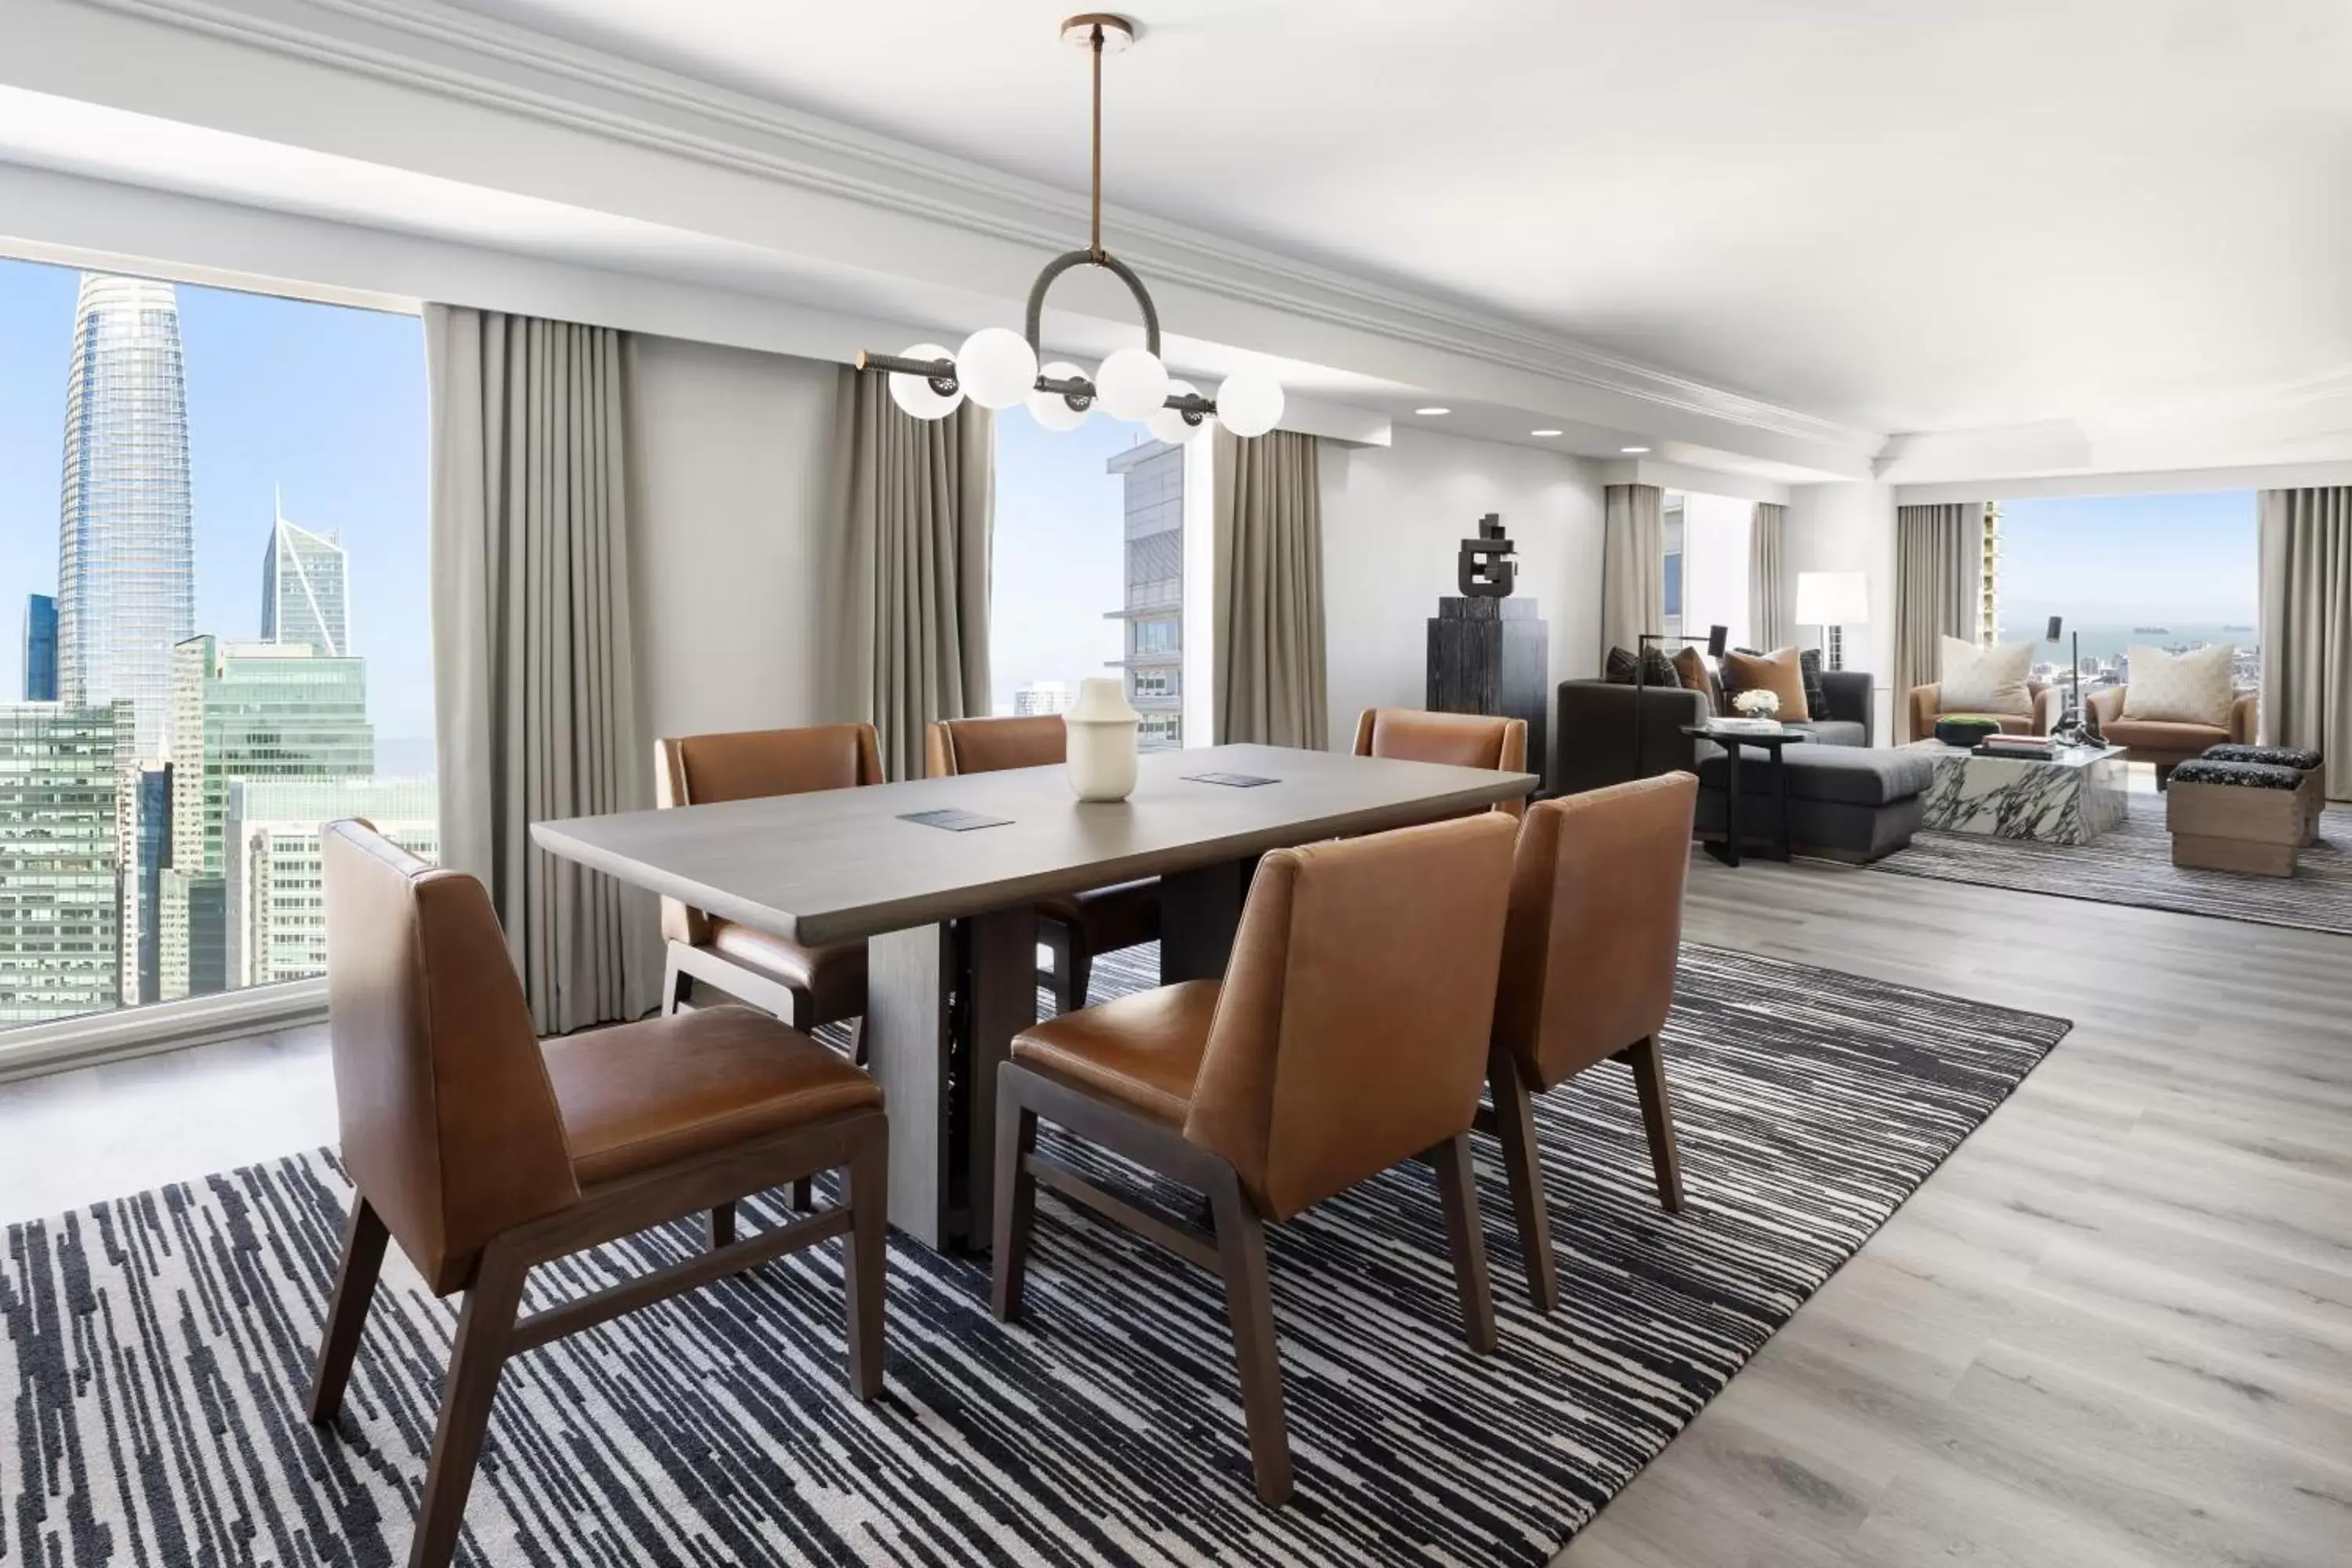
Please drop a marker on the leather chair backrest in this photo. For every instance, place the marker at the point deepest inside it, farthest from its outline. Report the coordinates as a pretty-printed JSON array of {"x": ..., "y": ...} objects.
[
  {"x": 751, "y": 764},
  {"x": 1353, "y": 1027},
  {"x": 1596, "y": 924},
  {"x": 449, "y": 1125},
  {"x": 953, "y": 746},
  {"x": 1462, "y": 739}
]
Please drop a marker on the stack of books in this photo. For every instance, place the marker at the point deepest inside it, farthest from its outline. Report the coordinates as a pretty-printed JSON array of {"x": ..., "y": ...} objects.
[{"x": 2033, "y": 748}]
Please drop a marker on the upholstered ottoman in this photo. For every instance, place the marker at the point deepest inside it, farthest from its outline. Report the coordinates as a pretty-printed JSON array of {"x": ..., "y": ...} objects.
[
  {"x": 2312, "y": 790},
  {"x": 1845, "y": 803},
  {"x": 2235, "y": 816}
]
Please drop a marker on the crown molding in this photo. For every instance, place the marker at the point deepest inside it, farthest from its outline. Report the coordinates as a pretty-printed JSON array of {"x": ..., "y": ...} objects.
[{"x": 462, "y": 56}]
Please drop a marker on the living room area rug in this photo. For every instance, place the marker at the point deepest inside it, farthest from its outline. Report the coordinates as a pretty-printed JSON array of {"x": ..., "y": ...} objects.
[
  {"x": 2132, "y": 864},
  {"x": 157, "y": 1349}
]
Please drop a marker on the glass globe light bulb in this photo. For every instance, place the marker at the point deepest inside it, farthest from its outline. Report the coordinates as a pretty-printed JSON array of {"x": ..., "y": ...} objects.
[
  {"x": 1168, "y": 424},
  {"x": 1131, "y": 385},
  {"x": 914, "y": 393},
  {"x": 1250, "y": 402},
  {"x": 1051, "y": 409},
  {"x": 996, "y": 366}
]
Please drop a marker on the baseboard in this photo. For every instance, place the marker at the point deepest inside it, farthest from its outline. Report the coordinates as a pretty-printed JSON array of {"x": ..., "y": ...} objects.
[{"x": 65, "y": 1044}]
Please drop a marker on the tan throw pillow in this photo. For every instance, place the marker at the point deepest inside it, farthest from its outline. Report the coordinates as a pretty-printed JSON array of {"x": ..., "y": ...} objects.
[
  {"x": 1984, "y": 679},
  {"x": 1778, "y": 672},
  {"x": 2180, "y": 687},
  {"x": 1690, "y": 668}
]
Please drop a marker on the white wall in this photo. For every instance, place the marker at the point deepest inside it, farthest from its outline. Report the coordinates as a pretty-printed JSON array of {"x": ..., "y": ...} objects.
[
  {"x": 728, "y": 500},
  {"x": 1716, "y": 530},
  {"x": 1392, "y": 519},
  {"x": 1851, "y": 527}
]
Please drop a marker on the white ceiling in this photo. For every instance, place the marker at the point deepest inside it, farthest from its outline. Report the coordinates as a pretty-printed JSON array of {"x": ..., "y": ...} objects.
[{"x": 1906, "y": 216}]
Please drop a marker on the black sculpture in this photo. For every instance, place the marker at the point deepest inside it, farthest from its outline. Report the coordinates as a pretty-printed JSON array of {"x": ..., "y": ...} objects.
[{"x": 1483, "y": 569}]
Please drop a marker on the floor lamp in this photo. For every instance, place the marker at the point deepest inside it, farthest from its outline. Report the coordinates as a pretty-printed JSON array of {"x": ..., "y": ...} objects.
[{"x": 1714, "y": 640}]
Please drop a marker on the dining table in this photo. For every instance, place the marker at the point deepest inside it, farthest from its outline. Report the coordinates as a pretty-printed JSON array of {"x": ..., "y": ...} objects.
[{"x": 940, "y": 878}]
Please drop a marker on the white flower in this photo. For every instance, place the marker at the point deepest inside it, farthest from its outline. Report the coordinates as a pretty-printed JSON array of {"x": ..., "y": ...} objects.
[{"x": 1757, "y": 703}]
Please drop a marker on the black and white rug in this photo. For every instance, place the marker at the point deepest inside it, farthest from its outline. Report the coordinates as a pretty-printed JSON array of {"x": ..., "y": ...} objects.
[
  {"x": 2132, "y": 864},
  {"x": 157, "y": 1349}
]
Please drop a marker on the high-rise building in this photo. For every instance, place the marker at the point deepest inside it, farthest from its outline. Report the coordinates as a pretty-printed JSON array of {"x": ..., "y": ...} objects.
[
  {"x": 304, "y": 587},
  {"x": 1154, "y": 611},
  {"x": 60, "y": 848},
  {"x": 243, "y": 711},
  {"x": 146, "y": 808},
  {"x": 40, "y": 648},
  {"x": 126, "y": 564},
  {"x": 1041, "y": 696},
  {"x": 275, "y": 903}
]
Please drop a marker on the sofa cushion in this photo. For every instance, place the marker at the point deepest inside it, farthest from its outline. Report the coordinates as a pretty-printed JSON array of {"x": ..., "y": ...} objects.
[
  {"x": 1983, "y": 679},
  {"x": 2149, "y": 735},
  {"x": 1835, "y": 732},
  {"x": 1652, "y": 668},
  {"x": 1849, "y": 775},
  {"x": 1778, "y": 672},
  {"x": 1690, "y": 668},
  {"x": 2244, "y": 776},
  {"x": 2278, "y": 756},
  {"x": 2192, "y": 687}
]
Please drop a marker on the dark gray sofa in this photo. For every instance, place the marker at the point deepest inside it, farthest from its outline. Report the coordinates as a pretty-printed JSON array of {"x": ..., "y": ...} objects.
[
  {"x": 1593, "y": 732},
  {"x": 1845, "y": 803}
]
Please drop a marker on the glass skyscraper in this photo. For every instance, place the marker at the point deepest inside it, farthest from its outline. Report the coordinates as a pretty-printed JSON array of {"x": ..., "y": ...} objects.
[
  {"x": 276, "y": 908},
  {"x": 304, "y": 590},
  {"x": 60, "y": 848},
  {"x": 126, "y": 565},
  {"x": 41, "y": 647}
]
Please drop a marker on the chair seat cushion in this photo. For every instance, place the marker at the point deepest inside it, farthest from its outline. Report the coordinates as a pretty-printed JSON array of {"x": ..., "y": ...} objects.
[
  {"x": 834, "y": 976},
  {"x": 637, "y": 1097},
  {"x": 2162, "y": 735},
  {"x": 1143, "y": 1050},
  {"x": 1121, "y": 915},
  {"x": 2277, "y": 756},
  {"x": 2243, "y": 775},
  {"x": 1850, "y": 775}
]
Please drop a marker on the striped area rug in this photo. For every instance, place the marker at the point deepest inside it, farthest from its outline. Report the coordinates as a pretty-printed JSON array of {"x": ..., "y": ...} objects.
[
  {"x": 2132, "y": 864},
  {"x": 157, "y": 1348}
]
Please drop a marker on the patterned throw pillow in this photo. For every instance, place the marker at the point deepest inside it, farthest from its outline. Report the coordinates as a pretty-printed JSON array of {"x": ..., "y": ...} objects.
[
  {"x": 1619, "y": 669},
  {"x": 1984, "y": 679},
  {"x": 2190, "y": 687},
  {"x": 1656, "y": 669},
  {"x": 1817, "y": 697}
]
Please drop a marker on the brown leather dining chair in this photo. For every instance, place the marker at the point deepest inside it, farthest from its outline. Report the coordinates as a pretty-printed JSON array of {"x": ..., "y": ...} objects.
[
  {"x": 484, "y": 1150},
  {"x": 1463, "y": 740},
  {"x": 1075, "y": 927},
  {"x": 1349, "y": 1035},
  {"x": 1588, "y": 974},
  {"x": 805, "y": 986}
]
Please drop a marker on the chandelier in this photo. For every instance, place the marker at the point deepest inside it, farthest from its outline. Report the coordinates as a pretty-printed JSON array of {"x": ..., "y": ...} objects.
[{"x": 997, "y": 368}]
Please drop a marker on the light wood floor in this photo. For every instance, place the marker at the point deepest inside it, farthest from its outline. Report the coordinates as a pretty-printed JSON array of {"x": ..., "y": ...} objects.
[{"x": 2114, "y": 1329}]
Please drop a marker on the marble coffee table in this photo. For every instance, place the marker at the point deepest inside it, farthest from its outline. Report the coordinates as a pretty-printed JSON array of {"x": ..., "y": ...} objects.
[{"x": 2071, "y": 799}]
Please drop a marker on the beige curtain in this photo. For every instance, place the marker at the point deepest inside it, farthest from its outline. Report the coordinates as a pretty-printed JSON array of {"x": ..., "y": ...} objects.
[
  {"x": 2307, "y": 625},
  {"x": 535, "y": 695},
  {"x": 1632, "y": 566},
  {"x": 1938, "y": 557},
  {"x": 917, "y": 500},
  {"x": 1768, "y": 577},
  {"x": 1270, "y": 526}
]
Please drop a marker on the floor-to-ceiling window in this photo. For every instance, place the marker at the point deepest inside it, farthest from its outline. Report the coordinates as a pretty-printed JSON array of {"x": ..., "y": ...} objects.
[
  {"x": 212, "y": 530},
  {"x": 1088, "y": 574},
  {"x": 2171, "y": 572}
]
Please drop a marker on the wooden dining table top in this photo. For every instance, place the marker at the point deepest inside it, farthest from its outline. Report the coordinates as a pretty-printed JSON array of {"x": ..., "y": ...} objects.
[{"x": 836, "y": 865}]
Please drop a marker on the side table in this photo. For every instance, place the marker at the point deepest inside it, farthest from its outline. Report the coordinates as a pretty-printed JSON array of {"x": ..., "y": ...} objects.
[{"x": 1772, "y": 743}]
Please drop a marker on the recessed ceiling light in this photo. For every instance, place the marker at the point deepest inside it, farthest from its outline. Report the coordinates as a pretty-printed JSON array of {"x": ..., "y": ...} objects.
[
  {"x": 1432, "y": 412},
  {"x": 1543, "y": 432},
  {"x": 1634, "y": 451}
]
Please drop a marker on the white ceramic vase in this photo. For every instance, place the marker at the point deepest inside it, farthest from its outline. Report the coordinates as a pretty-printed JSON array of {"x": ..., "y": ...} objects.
[{"x": 1102, "y": 741}]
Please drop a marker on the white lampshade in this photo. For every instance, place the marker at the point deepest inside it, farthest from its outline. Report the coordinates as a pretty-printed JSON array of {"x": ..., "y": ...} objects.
[
  {"x": 1051, "y": 409},
  {"x": 1131, "y": 385},
  {"x": 997, "y": 368},
  {"x": 1249, "y": 403},
  {"x": 1168, "y": 425},
  {"x": 913, "y": 393},
  {"x": 1833, "y": 599}
]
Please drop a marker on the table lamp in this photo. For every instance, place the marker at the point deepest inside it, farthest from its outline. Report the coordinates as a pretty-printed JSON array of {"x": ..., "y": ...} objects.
[{"x": 1832, "y": 601}]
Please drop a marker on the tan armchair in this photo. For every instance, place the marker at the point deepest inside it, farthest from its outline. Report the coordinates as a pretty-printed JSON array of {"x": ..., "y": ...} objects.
[
  {"x": 1349, "y": 1035},
  {"x": 1927, "y": 707},
  {"x": 2165, "y": 743}
]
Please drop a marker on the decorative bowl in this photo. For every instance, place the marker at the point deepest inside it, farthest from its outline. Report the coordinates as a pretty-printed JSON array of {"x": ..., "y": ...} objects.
[{"x": 1965, "y": 732}]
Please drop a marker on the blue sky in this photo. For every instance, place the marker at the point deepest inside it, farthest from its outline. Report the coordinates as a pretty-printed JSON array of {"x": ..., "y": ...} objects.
[
  {"x": 2102, "y": 561},
  {"x": 1061, "y": 552},
  {"x": 328, "y": 402}
]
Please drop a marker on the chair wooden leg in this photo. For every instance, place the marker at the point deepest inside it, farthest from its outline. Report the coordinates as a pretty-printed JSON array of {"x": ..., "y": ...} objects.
[
  {"x": 1016, "y": 1202},
  {"x": 677, "y": 985},
  {"x": 1249, "y": 1303},
  {"x": 1082, "y": 973},
  {"x": 1458, "y": 1192},
  {"x": 363, "y": 1241},
  {"x": 722, "y": 1223},
  {"x": 1649, "y": 1061},
  {"x": 804, "y": 1194},
  {"x": 484, "y": 1332},
  {"x": 1514, "y": 1128},
  {"x": 857, "y": 1039},
  {"x": 863, "y": 1270}
]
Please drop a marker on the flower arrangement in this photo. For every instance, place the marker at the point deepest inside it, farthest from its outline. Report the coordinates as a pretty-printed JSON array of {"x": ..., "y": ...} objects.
[{"x": 1755, "y": 703}]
